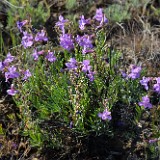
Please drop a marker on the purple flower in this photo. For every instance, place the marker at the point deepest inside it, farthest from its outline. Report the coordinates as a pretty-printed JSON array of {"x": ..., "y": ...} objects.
[
  {"x": 40, "y": 52},
  {"x": 105, "y": 115},
  {"x": 144, "y": 82},
  {"x": 9, "y": 59},
  {"x": 12, "y": 91},
  {"x": 90, "y": 75},
  {"x": 145, "y": 102},
  {"x": 41, "y": 36},
  {"x": 27, "y": 40},
  {"x": 12, "y": 73},
  {"x": 21, "y": 24},
  {"x": 66, "y": 42},
  {"x": 1, "y": 66},
  {"x": 153, "y": 140},
  {"x": 84, "y": 41},
  {"x": 85, "y": 66},
  {"x": 156, "y": 86},
  {"x": 85, "y": 50},
  {"x": 27, "y": 74},
  {"x": 135, "y": 72},
  {"x": 83, "y": 22},
  {"x": 158, "y": 80},
  {"x": 50, "y": 57},
  {"x": 124, "y": 75},
  {"x": 61, "y": 23},
  {"x": 72, "y": 64},
  {"x": 35, "y": 55},
  {"x": 100, "y": 16}
]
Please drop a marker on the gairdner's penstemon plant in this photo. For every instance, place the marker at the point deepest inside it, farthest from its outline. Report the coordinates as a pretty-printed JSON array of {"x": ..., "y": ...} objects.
[{"x": 80, "y": 86}]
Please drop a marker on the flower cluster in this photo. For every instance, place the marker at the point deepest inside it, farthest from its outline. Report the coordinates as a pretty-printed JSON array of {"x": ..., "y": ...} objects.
[
  {"x": 100, "y": 17},
  {"x": 61, "y": 23},
  {"x": 135, "y": 72},
  {"x": 12, "y": 91},
  {"x": 156, "y": 86},
  {"x": 105, "y": 115},
  {"x": 50, "y": 56},
  {"x": 21, "y": 24},
  {"x": 145, "y": 102},
  {"x": 66, "y": 39},
  {"x": 144, "y": 82},
  {"x": 83, "y": 22},
  {"x": 72, "y": 64},
  {"x": 85, "y": 42},
  {"x": 10, "y": 72},
  {"x": 41, "y": 36},
  {"x": 28, "y": 38},
  {"x": 85, "y": 67}
]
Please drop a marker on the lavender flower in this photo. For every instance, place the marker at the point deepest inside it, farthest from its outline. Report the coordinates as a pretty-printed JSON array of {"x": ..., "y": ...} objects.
[
  {"x": 72, "y": 64},
  {"x": 145, "y": 102},
  {"x": 66, "y": 42},
  {"x": 61, "y": 23},
  {"x": 85, "y": 66},
  {"x": 12, "y": 73},
  {"x": 9, "y": 58},
  {"x": 1, "y": 66},
  {"x": 153, "y": 140},
  {"x": 36, "y": 54},
  {"x": 105, "y": 115},
  {"x": 40, "y": 52},
  {"x": 12, "y": 91},
  {"x": 90, "y": 75},
  {"x": 124, "y": 75},
  {"x": 84, "y": 41},
  {"x": 21, "y": 24},
  {"x": 27, "y": 74},
  {"x": 144, "y": 82},
  {"x": 100, "y": 16},
  {"x": 156, "y": 86},
  {"x": 41, "y": 36},
  {"x": 158, "y": 80},
  {"x": 83, "y": 22},
  {"x": 85, "y": 50},
  {"x": 135, "y": 72},
  {"x": 27, "y": 39},
  {"x": 50, "y": 57}
]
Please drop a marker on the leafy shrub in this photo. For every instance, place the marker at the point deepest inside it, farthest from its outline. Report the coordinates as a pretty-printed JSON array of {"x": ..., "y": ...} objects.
[{"x": 79, "y": 86}]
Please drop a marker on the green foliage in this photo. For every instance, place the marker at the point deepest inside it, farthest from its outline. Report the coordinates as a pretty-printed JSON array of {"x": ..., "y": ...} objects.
[
  {"x": 39, "y": 11},
  {"x": 118, "y": 13},
  {"x": 121, "y": 12},
  {"x": 70, "y": 4}
]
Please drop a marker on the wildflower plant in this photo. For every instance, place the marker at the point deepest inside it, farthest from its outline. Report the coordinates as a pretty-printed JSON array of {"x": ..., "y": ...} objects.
[{"x": 80, "y": 85}]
